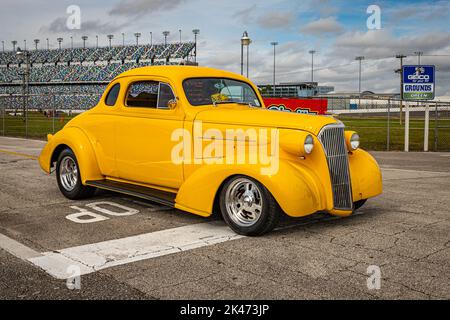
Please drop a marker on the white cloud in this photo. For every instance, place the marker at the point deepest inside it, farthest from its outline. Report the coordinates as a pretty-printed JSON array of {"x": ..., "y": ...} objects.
[
  {"x": 276, "y": 20},
  {"x": 323, "y": 26},
  {"x": 381, "y": 43},
  {"x": 140, "y": 7}
]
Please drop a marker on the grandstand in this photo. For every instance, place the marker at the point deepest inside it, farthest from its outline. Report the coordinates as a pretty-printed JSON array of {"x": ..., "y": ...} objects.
[{"x": 81, "y": 71}]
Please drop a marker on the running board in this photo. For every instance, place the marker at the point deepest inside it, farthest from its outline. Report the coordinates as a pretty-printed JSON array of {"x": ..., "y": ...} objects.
[{"x": 155, "y": 195}]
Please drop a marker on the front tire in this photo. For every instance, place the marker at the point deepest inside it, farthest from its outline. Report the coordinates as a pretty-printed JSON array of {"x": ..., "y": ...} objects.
[
  {"x": 69, "y": 179},
  {"x": 248, "y": 207},
  {"x": 359, "y": 204}
]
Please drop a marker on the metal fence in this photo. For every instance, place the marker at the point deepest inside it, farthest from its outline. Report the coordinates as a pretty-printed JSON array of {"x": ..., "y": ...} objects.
[
  {"x": 380, "y": 122},
  {"x": 34, "y": 116}
]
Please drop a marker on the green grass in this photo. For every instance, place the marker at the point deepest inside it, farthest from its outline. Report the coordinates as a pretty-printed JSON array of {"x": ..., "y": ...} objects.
[
  {"x": 373, "y": 133},
  {"x": 372, "y": 130},
  {"x": 38, "y": 125}
]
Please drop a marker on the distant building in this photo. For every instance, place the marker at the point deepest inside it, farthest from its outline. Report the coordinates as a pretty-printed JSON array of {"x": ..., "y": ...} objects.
[{"x": 295, "y": 90}]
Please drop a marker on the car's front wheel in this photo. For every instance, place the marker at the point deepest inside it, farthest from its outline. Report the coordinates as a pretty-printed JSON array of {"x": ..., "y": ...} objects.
[
  {"x": 68, "y": 177},
  {"x": 359, "y": 204},
  {"x": 248, "y": 207}
]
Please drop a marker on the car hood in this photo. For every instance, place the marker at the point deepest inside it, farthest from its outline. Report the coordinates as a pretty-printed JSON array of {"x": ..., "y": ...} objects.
[{"x": 260, "y": 117}]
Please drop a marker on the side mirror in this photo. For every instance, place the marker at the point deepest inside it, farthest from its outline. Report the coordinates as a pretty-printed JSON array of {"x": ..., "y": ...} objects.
[{"x": 172, "y": 104}]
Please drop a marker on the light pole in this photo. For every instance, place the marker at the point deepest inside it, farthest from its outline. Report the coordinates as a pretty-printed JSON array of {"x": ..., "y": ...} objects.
[
  {"x": 14, "y": 43},
  {"x": 110, "y": 37},
  {"x": 26, "y": 55},
  {"x": 165, "y": 34},
  {"x": 84, "y": 38},
  {"x": 401, "y": 57},
  {"x": 360, "y": 59},
  {"x": 245, "y": 41},
  {"x": 71, "y": 42},
  {"x": 48, "y": 44},
  {"x": 312, "y": 52},
  {"x": 195, "y": 32},
  {"x": 274, "y": 44},
  {"x": 180, "y": 34},
  {"x": 137, "y": 35},
  {"x": 36, "y": 42},
  {"x": 151, "y": 39},
  {"x": 25, "y": 45},
  {"x": 123, "y": 39},
  {"x": 59, "y": 42},
  {"x": 418, "y": 54},
  {"x": 96, "y": 41}
]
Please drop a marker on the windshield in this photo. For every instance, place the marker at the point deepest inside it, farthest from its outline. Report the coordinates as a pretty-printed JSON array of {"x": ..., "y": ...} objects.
[{"x": 205, "y": 91}]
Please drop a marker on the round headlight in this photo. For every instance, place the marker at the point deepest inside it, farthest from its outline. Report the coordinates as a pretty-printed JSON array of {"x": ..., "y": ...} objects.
[
  {"x": 354, "y": 141},
  {"x": 309, "y": 144}
]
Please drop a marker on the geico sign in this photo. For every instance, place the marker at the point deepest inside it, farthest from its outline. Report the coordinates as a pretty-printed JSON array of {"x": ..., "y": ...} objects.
[{"x": 418, "y": 77}]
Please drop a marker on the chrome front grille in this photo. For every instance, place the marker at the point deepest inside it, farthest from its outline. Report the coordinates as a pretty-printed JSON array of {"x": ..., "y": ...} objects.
[{"x": 333, "y": 142}]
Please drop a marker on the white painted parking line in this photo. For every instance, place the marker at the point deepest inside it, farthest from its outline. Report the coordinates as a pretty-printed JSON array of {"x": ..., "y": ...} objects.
[
  {"x": 97, "y": 256},
  {"x": 17, "y": 249}
]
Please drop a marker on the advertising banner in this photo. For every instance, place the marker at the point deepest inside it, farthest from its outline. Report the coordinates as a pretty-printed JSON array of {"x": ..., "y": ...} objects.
[
  {"x": 305, "y": 106},
  {"x": 418, "y": 82}
]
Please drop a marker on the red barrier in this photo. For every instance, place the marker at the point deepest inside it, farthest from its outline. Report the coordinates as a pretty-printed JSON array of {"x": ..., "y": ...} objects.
[{"x": 307, "y": 106}]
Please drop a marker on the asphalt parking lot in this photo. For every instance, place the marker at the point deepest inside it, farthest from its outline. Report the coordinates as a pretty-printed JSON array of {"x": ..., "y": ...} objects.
[{"x": 131, "y": 249}]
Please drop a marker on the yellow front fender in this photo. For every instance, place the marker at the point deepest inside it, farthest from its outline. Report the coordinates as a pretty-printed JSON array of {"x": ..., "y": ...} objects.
[
  {"x": 365, "y": 175},
  {"x": 293, "y": 187},
  {"x": 78, "y": 142}
]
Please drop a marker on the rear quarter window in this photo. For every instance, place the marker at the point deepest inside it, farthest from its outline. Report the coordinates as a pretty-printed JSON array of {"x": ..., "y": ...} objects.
[{"x": 112, "y": 95}]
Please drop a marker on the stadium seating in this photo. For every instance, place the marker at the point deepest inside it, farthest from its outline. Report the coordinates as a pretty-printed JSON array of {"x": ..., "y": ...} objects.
[{"x": 76, "y": 78}]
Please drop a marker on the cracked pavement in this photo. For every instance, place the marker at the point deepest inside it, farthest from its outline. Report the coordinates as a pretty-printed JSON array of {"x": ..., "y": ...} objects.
[{"x": 405, "y": 232}]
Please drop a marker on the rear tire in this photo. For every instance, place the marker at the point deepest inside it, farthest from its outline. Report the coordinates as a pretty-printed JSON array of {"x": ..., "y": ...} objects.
[
  {"x": 248, "y": 207},
  {"x": 69, "y": 179}
]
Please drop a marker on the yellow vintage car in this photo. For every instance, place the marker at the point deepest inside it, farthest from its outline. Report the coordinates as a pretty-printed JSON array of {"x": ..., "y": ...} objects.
[{"x": 201, "y": 140}]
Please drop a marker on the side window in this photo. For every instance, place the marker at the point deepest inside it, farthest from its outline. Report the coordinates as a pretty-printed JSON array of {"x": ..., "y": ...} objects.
[
  {"x": 112, "y": 95},
  {"x": 165, "y": 95},
  {"x": 143, "y": 94}
]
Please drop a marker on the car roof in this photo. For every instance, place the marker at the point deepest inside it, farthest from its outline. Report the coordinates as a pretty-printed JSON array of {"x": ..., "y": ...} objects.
[{"x": 180, "y": 72}]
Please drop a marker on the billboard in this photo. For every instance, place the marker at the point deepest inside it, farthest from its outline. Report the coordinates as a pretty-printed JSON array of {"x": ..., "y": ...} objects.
[
  {"x": 305, "y": 106},
  {"x": 418, "y": 82}
]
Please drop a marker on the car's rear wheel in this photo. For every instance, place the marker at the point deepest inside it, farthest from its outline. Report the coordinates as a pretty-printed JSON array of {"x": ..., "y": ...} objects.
[
  {"x": 68, "y": 177},
  {"x": 248, "y": 207}
]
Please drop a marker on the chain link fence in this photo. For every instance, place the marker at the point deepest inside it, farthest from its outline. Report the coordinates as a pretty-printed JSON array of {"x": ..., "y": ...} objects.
[
  {"x": 379, "y": 122},
  {"x": 36, "y": 115}
]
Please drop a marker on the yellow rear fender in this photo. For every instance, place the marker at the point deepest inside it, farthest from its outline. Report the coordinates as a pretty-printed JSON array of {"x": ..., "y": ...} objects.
[
  {"x": 298, "y": 197},
  {"x": 75, "y": 139}
]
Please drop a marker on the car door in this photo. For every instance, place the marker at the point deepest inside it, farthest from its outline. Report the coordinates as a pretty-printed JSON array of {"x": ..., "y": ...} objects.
[{"x": 144, "y": 131}]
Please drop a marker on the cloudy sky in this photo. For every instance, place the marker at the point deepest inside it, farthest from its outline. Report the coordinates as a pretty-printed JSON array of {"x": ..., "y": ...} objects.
[{"x": 336, "y": 29}]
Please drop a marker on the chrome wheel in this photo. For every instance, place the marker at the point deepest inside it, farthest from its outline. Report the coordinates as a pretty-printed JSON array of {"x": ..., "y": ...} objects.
[
  {"x": 243, "y": 202},
  {"x": 68, "y": 173}
]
